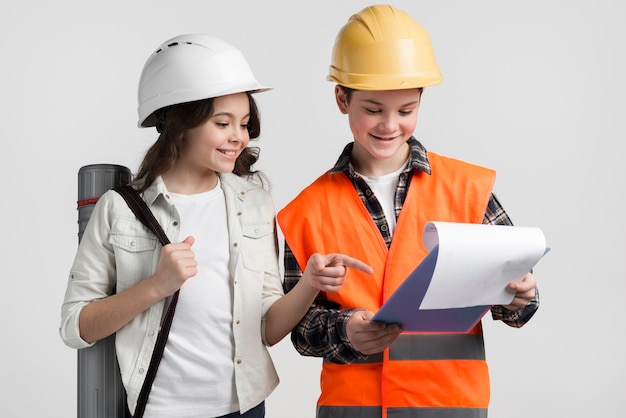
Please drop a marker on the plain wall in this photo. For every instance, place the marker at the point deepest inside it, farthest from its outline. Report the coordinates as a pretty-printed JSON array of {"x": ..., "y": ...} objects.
[{"x": 532, "y": 89}]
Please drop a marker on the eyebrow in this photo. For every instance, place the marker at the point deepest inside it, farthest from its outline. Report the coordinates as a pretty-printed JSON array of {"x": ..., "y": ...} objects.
[
  {"x": 229, "y": 114},
  {"x": 374, "y": 102}
]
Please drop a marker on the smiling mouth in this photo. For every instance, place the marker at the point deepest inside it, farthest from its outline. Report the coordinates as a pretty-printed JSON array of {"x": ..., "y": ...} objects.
[
  {"x": 228, "y": 153},
  {"x": 379, "y": 138}
]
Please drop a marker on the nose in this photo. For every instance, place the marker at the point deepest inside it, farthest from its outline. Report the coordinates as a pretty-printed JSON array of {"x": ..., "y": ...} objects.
[
  {"x": 239, "y": 134},
  {"x": 388, "y": 123}
]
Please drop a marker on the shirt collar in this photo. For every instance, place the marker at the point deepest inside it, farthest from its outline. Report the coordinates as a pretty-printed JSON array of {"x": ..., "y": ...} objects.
[
  {"x": 156, "y": 189},
  {"x": 418, "y": 159},
  {"x": 239, "y": 185}
]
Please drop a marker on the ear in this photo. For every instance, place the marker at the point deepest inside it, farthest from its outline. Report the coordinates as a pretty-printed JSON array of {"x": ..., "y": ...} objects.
[{"x": 342, "y": 100}]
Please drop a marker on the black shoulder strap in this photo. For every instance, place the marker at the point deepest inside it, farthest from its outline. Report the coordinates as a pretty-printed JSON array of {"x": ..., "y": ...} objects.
[
  {"x": 142, "y": 212},
  {"x": 145, "y": 215}
]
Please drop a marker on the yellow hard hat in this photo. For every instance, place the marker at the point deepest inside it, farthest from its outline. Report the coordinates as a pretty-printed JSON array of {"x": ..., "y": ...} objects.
[{"x": 383, "y": 48}]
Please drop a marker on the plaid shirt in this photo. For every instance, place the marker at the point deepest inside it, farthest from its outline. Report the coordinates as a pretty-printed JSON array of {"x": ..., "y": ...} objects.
[{"x": 322, "y": 331}]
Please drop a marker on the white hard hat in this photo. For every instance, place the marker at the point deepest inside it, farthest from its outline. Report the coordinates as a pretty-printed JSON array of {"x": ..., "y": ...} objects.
[{"x": 192, "y": 67}]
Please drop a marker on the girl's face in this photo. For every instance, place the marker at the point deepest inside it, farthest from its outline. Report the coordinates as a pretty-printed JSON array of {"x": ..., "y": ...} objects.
[
  {"x": 214, "y": 145},
  {"x": 381, "y": 123}
]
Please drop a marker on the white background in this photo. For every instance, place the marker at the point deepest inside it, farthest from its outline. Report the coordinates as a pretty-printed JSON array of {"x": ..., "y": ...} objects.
[{"x": 534, "y": 89}]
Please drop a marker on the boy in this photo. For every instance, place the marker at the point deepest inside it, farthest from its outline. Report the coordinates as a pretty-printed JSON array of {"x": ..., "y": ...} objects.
[{"x": 373, "y": 205}]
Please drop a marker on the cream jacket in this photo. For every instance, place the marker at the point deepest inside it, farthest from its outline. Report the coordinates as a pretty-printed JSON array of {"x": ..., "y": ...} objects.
[{"x": 116, "y": 251}]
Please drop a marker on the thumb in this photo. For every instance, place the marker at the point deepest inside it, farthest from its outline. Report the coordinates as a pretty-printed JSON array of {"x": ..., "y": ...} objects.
[
  {"x": 366, "y": 315},
  {"x": 189, "y": 240}
]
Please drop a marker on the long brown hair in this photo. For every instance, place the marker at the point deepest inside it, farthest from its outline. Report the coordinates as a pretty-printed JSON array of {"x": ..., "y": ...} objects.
[{"x": 174, "y": 122}]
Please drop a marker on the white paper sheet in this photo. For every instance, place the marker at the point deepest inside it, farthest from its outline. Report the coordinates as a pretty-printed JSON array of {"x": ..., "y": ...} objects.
[{"x": 476, "y": 262}]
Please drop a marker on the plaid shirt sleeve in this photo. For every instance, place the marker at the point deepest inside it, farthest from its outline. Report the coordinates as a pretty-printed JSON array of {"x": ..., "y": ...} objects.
[
  {"x": 495, "y": 215},
  {"x": 322, "y": 331}
]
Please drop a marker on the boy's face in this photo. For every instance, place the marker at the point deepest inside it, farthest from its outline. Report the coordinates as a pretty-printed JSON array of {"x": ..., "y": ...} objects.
[{"x": 381, "y": 123}]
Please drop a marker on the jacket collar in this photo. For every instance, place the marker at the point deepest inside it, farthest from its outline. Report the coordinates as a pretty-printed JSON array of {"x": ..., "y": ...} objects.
[
  {"x": 236, "y": 184},
  {"x": 154, "y": 191}
]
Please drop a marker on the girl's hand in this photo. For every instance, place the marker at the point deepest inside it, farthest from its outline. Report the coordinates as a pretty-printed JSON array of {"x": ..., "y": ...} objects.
[
  {"x": 177, "y": 264},
  {"x": 328, "y": 272}
]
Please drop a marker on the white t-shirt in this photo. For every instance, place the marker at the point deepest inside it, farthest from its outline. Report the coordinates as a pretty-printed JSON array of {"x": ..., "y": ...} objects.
[
  {"x": 196, "y": 374},
  {"x": 384, "y": 187}
]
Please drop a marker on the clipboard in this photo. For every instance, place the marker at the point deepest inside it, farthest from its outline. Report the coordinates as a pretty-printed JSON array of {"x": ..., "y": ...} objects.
[
  {"x": 473, "y": 246},
  {"x": 403, "y": 307}
]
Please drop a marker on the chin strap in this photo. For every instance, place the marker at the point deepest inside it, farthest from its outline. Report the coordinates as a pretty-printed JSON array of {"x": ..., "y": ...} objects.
[{"x": 160, "y": 117}]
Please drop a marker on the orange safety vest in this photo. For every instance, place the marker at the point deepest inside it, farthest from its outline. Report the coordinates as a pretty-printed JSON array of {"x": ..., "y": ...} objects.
[{"x": 421, "y": 374}]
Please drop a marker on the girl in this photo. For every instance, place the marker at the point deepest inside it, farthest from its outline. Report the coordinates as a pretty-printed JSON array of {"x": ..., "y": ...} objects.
[{"x": 198, "y": 181}]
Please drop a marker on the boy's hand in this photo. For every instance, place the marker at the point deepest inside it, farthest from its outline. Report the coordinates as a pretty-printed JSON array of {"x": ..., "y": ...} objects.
[
  {"x": 524, "y": 292},
  {"x": 370, "y": 337},
  {"x": 328, "y": 272}
]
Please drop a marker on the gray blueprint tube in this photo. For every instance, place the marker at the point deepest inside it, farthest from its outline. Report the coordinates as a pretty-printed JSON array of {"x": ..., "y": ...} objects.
[{"x": 100, "y": 390}]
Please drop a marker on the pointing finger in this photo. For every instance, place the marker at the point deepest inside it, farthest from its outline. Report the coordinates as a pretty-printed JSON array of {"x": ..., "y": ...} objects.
[{"x": 356, "y": 264}]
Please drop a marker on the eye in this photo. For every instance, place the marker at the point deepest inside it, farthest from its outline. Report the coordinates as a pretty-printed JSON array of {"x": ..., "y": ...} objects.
[
  {"x": 406, "y": 112},
  {"x": 372, "y": 111},
  {"x": 222, "y": 124}
]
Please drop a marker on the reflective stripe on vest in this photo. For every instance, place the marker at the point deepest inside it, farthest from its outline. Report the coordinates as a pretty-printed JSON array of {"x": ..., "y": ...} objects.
[
  {"x": 420, "y": 372},
  {"x": 376, "y": 412},
  {"x": 433, "y": 347}
]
